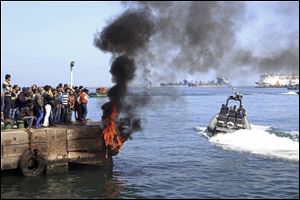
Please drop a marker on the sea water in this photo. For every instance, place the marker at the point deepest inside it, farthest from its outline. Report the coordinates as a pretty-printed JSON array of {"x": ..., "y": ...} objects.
[{"x": 173, "y": 157}]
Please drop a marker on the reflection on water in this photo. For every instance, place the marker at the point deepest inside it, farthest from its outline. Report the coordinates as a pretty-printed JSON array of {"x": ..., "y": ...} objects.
[{"x": 81, "y": 183}]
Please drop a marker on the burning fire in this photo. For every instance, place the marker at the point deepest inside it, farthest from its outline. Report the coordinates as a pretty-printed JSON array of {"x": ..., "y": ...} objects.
[{"x": 112, "y": 137}]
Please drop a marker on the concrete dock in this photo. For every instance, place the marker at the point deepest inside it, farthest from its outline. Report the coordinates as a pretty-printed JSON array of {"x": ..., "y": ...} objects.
[{"x": 52, "y": 150}]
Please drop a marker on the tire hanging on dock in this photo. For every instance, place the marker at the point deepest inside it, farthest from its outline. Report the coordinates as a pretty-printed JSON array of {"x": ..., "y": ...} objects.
[{"x": 32, "y": 164}]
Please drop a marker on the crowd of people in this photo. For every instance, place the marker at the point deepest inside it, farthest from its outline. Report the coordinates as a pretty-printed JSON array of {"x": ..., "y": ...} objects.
[{"x": 42, "y": 106}]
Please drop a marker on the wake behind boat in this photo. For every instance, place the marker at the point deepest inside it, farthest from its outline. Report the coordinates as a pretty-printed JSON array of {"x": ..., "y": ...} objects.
[{"x": 229, "y": 119}]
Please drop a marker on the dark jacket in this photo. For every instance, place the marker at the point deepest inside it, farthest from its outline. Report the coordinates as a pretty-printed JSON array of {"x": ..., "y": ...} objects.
[
  {"x": 48, "y": 99},
  {"x": 21, "y": 100},
  {"x": 38, "y": 101},
  {"x": 26, "y": 111}
]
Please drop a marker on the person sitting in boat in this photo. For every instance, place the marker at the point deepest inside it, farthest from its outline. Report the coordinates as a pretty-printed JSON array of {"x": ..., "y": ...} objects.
[
  {"x": 234, "y": 108},
  {"x": 224, "y": 109},
  {"x": 241, "y": 112},
  {"x": 232, "y": 111}
]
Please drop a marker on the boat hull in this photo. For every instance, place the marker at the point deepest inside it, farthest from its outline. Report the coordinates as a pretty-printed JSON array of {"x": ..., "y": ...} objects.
[
  {"x": 215, "y": 126},
  {"x": 97, "y": 95}
]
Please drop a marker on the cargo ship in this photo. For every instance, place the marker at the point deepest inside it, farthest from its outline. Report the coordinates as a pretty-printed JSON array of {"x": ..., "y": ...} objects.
[
  {"x": 277, "y": 80},
  {"x": 100, "y": 92},
  {"x": 219, "y": 82}
]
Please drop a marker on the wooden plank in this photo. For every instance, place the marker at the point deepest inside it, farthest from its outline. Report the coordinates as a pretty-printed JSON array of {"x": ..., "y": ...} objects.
[
  {"x": 11, "y": 138},
  {"x": 14, "y": 150},
  {"x": 39, "y": 136},
  {"x": 21, "y": 137},
  {"x": 83, "y": 133},
  {"x": 56, "y": 144},
  {"x": 82, "y": 155},
  {"x": 86, "y": 158},
  {"x": 99, "y": 162},
  {"x": 9, "y": 163},
  {"x": 59, "y": 145},
  {"x": 85, "y": 144},
  {"x": 17, "y": 150}
]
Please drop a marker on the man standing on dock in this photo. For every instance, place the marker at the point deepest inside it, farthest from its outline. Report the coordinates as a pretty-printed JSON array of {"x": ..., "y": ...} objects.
[
  {"x": 65, "y": 110},
  {"x": 7, "y": 89},
  {"x": 83, "y": 97}
]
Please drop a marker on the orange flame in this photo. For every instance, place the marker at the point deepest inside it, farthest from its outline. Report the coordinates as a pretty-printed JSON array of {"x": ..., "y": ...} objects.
[{"x": 112, "y": 137}]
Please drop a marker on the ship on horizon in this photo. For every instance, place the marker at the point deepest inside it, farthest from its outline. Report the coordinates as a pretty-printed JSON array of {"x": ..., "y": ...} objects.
[
  {"x": 277, "y": 80},
  {"x": 219, "y": 82}
]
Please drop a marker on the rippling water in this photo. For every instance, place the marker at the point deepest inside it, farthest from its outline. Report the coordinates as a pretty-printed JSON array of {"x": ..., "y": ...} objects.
[{"x": 173, "y": 158}]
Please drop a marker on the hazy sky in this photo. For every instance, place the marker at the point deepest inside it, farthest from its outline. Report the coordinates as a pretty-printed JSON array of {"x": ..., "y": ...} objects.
[{"x": 39, "y": 39}]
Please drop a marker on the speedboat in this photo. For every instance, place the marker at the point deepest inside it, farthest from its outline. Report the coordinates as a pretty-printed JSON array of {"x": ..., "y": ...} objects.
[
  {"x": 100, "y": 92},
  {"x": 229, "y": 119}
]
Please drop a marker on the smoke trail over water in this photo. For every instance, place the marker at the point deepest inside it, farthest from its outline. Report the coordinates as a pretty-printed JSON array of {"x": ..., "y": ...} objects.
[{"x": 227, "y": 37}]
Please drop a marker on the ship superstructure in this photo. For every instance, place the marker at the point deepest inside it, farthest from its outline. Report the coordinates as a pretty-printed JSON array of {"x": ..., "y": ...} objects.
[
  {"x": 219, "y": 82},
  {"x": 278, "y": 80}
]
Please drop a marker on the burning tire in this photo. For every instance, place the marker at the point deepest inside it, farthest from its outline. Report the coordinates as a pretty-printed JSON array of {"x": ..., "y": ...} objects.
[
  {"x": 32, "y": 165},
  {"x": 111, "y": 152},
  {"x": 114, "y": 152}
]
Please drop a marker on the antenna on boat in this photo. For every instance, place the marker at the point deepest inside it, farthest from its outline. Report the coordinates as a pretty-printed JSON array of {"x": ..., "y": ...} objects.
[{"x": 234, "y": 90}]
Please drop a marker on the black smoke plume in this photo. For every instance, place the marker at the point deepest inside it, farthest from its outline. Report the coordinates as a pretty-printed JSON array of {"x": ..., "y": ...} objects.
[
  {"x": 123, "y": 70},
  {"x": 125, "y": 37},
  {"x": 198, "y": 36},
  {"x": 128, "y": 34}
]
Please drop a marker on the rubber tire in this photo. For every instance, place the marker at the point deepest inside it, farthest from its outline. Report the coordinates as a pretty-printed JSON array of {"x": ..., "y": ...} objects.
[
  {"x": 112, "y": 152},
  {"x": 30, "y": 165}
]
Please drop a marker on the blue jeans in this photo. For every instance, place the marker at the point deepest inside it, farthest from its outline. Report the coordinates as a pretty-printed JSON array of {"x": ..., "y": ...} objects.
[
  {"x": 40, "y": 117},
  {"x": 84, "y": 109},
  {"x": 29, "y": 120},
  {"x": 65, "y": 114},
  {"x": 13, "y": 115},
  {"x": 57, "y": 114}
]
